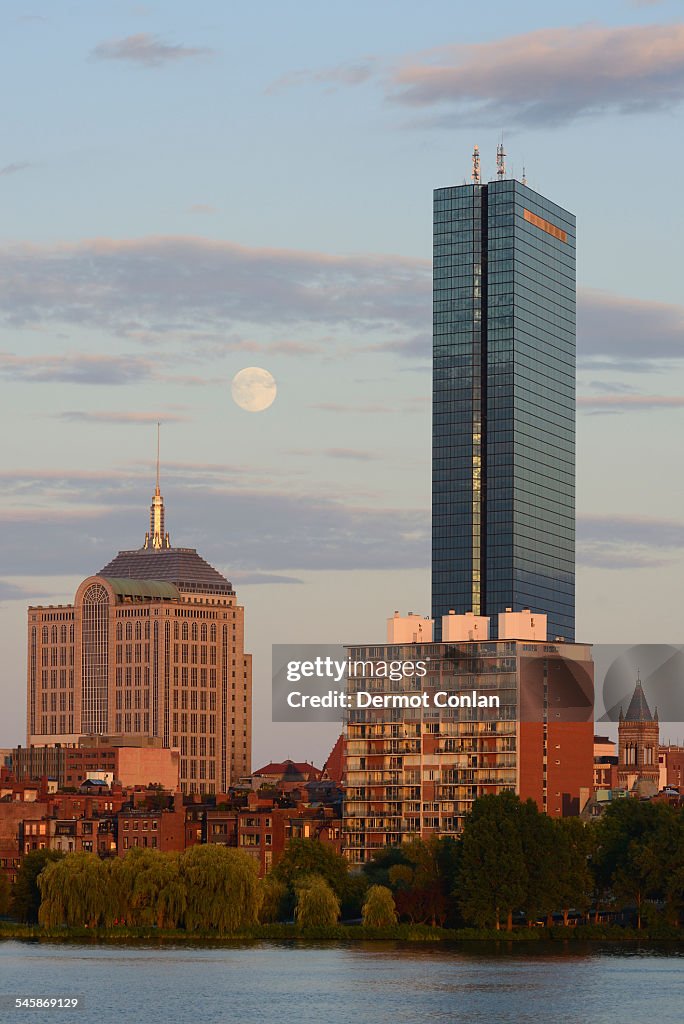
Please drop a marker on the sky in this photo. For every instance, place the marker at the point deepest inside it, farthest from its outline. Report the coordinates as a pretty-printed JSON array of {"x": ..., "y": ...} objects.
[{"x": 189, "y": 190}]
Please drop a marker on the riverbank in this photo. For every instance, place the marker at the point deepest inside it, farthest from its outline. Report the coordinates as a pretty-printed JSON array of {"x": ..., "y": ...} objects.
[{"x": 416, "y": 933}]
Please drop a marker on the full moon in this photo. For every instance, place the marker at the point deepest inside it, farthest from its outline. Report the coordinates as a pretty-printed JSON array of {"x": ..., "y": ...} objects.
[{"x": 254, "y": 389}]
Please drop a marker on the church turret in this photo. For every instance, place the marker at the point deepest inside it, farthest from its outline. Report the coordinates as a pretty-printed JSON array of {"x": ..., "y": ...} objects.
[{"x": 638, "y": 738}]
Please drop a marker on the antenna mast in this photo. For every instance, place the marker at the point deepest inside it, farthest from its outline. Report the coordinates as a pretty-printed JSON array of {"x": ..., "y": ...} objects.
[
  {"x": 158, "y": 431},
  {"x": 475, "y": 176},
  {"x": 500, "y": 162}
]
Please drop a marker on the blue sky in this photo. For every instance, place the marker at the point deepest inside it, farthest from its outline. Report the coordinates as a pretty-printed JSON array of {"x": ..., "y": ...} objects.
[{"x": 186, "y": 192}]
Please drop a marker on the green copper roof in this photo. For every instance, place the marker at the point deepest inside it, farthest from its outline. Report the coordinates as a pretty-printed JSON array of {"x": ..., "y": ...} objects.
[{"x": 159, "y": 589}]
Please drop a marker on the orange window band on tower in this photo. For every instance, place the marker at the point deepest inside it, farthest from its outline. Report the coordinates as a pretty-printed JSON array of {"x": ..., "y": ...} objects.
[{"x": 545, "y": 225}]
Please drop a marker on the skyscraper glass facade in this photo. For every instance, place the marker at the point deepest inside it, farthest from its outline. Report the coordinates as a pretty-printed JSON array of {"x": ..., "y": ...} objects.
[{"x": 503, "y": 491}]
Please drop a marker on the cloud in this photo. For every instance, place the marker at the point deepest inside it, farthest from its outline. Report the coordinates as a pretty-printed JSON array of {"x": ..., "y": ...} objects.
[
  {"x": 628, "y": 542},
  {"x": 417, "y": 347},
  {"x": 202, "y": 208},
  {"x": 121, "y": 417},
  {"x": 66, "y": 523},
  {"x": 10, "y": 592},
  {"x": 210, "y": 297},
  {"x": 624, "y": 333},
  {"x": 15, "y": 168},
  {"x": 161, "y": 286},
  {"x": 146, "y": 50},
  {"x": 355, "y": 73},
  {"x": 74, "y": 368},
  {"x": 548, "y": 77},
  {"x": 249, "y": 579},
  {"x": 630, "y": 403},
  {"x": 335, "y": 453},
  {"x": 341, "y": 407}
]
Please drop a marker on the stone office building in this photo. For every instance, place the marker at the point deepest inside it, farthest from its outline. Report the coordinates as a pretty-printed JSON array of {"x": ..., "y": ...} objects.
[{"x": 152, "y": 646}]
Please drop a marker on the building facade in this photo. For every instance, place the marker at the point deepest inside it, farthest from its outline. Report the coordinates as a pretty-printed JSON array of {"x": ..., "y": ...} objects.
[
  {"x": 413, "y": 773},
  {"x": 152, "y": 647},
  {"x": 503, "y": 490}
]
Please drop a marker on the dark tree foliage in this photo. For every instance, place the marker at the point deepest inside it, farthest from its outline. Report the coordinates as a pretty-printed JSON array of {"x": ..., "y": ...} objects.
[
  {"x": 5, "y": 894},
  {"x": 25, "y": 891},
  {"x": 305, "y": 857}
]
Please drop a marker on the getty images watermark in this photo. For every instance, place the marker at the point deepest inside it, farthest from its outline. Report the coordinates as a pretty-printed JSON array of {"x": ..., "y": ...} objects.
[{"x": 489, "y": 682}]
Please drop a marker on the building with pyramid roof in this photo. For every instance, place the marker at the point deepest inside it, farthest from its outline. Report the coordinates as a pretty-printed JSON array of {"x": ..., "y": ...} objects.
[
  {"x": 638, "y": 738},
  {"x": 151, "y": 652}
]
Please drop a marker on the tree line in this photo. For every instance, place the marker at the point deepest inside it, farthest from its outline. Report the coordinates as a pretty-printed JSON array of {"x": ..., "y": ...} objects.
[{"x": 511, "y": 863}]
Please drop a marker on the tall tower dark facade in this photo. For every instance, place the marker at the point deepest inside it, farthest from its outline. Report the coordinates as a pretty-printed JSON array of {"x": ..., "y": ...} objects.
[{"x": 503, "y": 449}]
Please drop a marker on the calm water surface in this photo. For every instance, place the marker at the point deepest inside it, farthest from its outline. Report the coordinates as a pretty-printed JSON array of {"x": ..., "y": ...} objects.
[{"x": 340, "y": 984}]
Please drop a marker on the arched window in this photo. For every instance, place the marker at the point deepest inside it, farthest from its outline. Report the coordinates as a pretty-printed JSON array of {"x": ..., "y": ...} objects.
[
  {"x": 129, "y": 630},
  {"x": 212, "y": 632},
  {"x": 185, "y": 631},
  {"x": 203, "y": 631},
  {"x": 53, "y": 635},
  {"x": 62, "y": 634},
  {"x": 119, "y": 631},
  {"x": 138, "y": 631},
  {"x": 95, "y": 659},
  {"x": 194, "y": 631},
  {"x": 175, "y": 631},
  {"x": 46, "y": 634}
]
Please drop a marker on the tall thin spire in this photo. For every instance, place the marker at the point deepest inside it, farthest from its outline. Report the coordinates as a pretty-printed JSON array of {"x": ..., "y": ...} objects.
[{"x": 156, "y": 538}]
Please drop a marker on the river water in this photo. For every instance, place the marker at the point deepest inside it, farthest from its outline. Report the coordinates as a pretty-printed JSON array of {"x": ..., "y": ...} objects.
[{"x": 378, "y": 983}]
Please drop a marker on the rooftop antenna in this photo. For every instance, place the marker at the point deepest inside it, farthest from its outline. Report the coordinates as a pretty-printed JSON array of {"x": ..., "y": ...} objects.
[
  {"x": 500, "y": 162},
  {"x": 158, "y": 431},
  {"x": 156, "y": 537},
  {"x": 524, "y": 177},
  {"x": 476, "y": 179}
]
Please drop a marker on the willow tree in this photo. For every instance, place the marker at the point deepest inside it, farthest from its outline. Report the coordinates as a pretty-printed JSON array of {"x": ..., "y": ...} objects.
[
  {"x": 272, "y": 899},
  {"x": 150, "y": 888},
  {"x": 379, "y": 910},
  {"x": 317, "y": 905},
  {"x": 76, "y": 891},
  {"x": 222, "y": 887}
]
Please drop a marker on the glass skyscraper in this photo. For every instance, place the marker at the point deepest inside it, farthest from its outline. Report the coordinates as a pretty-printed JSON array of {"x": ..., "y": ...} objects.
[{"x": 503, "y": 469}]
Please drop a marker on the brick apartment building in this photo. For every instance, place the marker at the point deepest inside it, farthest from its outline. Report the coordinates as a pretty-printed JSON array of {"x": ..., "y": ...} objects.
[{"x": 416, "y": 772}]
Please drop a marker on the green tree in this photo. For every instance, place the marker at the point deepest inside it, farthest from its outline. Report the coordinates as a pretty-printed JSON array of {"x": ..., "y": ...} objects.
[
  {"x": 422, "y": 883},
  {"x": 76, "y": 891},
  {"x": 25, "y": 891},
  {"x": 539, "y": 838},
  {"x": 377, "y": 870},
  {"x": 492, "y": 880},
  {"x": 222, "y": 886},
  {"x": 622, "y": 863},
  {"x": 305, "y": 857},
  {"x": 661, "y": 859},
  {"x": 379, "y": 910},
  {"x": 571, "y": 858},
  {"x": 149, "y": 888},
  {"x": 272, "y": 900},
  {"x": 317, "y": 904}
]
